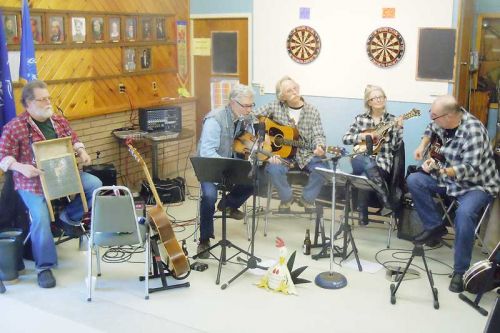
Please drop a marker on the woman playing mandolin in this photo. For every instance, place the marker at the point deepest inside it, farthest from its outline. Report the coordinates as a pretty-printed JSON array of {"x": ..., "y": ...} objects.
[{"x": 379, "y": 167}]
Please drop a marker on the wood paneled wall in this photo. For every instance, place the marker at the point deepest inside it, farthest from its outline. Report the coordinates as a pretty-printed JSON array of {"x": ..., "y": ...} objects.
[{"x": 83, "y": 81}]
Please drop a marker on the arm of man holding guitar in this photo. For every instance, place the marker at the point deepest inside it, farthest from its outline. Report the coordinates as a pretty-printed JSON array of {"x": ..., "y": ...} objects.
[{"x": 429, "y": 164}]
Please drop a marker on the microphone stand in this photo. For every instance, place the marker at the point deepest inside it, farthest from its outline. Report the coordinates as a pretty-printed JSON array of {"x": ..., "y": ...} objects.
[{"x": 252, "y": 261}]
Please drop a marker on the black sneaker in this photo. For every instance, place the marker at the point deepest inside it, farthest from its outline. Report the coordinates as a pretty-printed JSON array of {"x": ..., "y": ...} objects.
[
  {"x": 457, "y": 283},
  {"x": 46, "y": 279},
  {"x": 202, "y": 247},
  {"x": 232, "y": 213},
  {"x": 309, "y": 207}
]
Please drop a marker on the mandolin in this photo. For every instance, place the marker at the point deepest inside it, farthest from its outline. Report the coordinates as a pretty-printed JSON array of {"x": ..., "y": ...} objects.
[
  {"x": 381, "y": 131},
  {"x": 483, "y": 275},
  {"x": 286, "y": 139},
  {"x": 178, "y": 264}
]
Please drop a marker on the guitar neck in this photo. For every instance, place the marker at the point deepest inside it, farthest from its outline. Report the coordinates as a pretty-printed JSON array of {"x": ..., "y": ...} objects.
[
  {"x": 152, "y": 186},
  {"x": 298, "y": 144}
]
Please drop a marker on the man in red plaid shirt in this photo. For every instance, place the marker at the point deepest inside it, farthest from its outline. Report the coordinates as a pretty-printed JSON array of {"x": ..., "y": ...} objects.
[{"x": 39, "y": 123}]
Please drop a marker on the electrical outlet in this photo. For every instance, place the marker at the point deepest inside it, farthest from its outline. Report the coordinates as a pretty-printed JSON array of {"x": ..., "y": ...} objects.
[
  {"x": 261, "y": 89},
  {"x": 154, "y": 86},
  {"x": 121, "y": 88}
]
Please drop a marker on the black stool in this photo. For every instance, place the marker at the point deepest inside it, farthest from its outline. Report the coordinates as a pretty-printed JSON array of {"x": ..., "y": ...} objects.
[{"x": 8, "y": 260}]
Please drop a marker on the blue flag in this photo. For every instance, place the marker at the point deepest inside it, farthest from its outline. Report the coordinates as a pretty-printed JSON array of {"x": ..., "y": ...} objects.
[
  {"x": 27, "y": 68},
  {"x": 7, "y": 106}
]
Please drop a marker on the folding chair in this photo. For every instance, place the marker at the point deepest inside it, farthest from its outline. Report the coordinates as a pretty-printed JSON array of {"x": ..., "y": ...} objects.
[{"x": 114, "y": 223}]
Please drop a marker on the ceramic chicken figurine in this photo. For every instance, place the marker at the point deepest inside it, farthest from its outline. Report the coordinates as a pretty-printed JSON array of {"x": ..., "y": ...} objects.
[{"x": 278, "y": 277}]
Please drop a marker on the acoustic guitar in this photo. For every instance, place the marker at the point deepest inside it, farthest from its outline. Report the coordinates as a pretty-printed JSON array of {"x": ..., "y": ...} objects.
[
  {"x": 483, "y": 275},
  {"x": 286, "y": 139},
  {"x": 434, "y": 152},
  {"x": 178, "y": 263},
  {"x": 381, "y": 131},
  {"x": 244, "y": 144}
]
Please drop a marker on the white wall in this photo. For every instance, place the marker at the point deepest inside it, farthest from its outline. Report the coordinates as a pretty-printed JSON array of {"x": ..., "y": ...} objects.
[{"x": 343, "y": 69}]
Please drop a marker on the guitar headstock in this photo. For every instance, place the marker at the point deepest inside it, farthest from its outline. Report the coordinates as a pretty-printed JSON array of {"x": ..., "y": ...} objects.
[
  {"x": 336, "y": 151},
  {"x": 412, "y": 113},
  {"x": 135, "y": 154}
]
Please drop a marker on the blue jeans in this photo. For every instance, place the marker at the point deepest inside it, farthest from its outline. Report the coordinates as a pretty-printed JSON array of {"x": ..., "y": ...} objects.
[
  {"x": 278, "y": 175},
  {"x": 44, "y": 249},
  {"x": 234, "y": 199},
  {"x": 423, "y": 188},
  {"x": 360, "y": 164}
]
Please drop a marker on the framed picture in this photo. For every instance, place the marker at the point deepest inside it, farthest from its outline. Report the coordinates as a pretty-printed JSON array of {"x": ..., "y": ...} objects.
[
  {"x": 56, "y": 31},
  {"x": 78, "y": 31},
  {"x": 36, "y": 22},
  {"x": 147, "y": 28},
  {"x": 131, "y": 28},
  {"x": 97, "y": 26},
  {"x": 161, "y": 33},
  {"x": 129, "y": 63},
  {"x": 145, "y": 58},
  {"x": 114, "y": 29},
  {"x": 11, "y": 28}
]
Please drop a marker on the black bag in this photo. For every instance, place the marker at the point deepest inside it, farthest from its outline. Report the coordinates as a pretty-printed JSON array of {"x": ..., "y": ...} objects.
[
  {"x": 409, "y": 223},
  {"x": 171, "y": 190}
]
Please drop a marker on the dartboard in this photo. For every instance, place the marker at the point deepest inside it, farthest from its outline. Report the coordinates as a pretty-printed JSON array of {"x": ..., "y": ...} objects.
[
  {"x": 385, "y": 47},
  {"x": 303, "y": 44}
]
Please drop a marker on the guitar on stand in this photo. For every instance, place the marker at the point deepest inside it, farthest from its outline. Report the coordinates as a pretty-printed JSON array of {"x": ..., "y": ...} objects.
[
  {"x": 381, "y": 131},
  {"x": 178, "y": 264}
]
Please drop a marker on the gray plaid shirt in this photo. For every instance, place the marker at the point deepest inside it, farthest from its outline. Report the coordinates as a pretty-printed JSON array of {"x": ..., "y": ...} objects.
[
  {"x": 309, "y": 126},
  {"x": 470, "y": 154},
  {"x": 365, "y": 121}
]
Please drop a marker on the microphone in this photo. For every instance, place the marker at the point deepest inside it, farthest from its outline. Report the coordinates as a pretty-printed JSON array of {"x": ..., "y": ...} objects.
[{"x": 369, "y": 145}]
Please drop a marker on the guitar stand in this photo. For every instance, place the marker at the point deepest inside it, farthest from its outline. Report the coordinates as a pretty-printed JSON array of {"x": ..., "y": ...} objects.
[
  {"x": 475, "y": 303},
  {"x": 346, "y": 229},
  {"x": 160, "y": 269},
  {"x": 418, "y": 251}
]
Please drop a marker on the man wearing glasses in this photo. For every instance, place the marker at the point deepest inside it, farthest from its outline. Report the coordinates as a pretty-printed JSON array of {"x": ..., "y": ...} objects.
[
  {"x": 39, "y": 123},
  {"x": 220, "y": 127},
  {"x": 467, "y": 173},
  {"x": 290, "y": 109}
]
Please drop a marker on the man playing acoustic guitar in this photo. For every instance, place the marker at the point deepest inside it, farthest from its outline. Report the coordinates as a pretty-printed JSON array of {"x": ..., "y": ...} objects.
[
  {"x": 292, "y": 110},
  {"x": 220, "y": 127},
  {"x": 469, "y": 175}
]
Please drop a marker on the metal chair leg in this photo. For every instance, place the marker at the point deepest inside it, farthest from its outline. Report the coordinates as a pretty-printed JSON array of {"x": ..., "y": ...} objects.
[{"x": 268, "y": 204}]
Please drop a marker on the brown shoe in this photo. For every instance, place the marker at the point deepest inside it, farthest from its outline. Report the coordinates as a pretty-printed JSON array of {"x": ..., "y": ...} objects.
[
  {"x": 232, "y": 213},
  {"x": 284, "y": 207},
  {"x": 202, "y": 247},
  {"x": 309, "y": 207}
]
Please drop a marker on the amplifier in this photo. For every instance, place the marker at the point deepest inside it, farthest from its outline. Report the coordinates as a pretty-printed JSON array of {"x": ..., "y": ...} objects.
[
  {"x": 105, "y": 172},
  {"x": 160, "y": 119}
]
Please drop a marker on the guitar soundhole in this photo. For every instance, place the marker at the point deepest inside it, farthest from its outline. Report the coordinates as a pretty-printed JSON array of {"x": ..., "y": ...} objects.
[{"x": 278, "y": 140}]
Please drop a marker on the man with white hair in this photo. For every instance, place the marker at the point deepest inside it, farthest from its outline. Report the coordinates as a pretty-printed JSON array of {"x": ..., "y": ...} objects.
[
  {"x": 290, "y": 109},
  {"x": 39, "y": 123},
  {"x": 466, "y": 172},
  {"x": 220, "y": 127}
]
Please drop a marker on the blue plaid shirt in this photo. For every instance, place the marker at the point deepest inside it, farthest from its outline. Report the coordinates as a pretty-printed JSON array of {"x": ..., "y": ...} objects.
[{"x": 470, "y": 154}]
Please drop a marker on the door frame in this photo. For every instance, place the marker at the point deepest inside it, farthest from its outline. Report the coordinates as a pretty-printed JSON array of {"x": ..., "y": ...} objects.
[{"x": 247, "y": 16}]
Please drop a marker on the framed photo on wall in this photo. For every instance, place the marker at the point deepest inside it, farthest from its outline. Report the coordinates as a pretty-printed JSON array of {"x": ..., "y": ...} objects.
[
  {"x": 78, "y": 29},
  {"x": 36, "y": 22},
  {"x": 56, "y": 31},
  {"x": 131, "y": 28},
  {"x": 128, "y": 59},
  {"x": 161, "y": 33},
  {"x": 114, "y": 29},
  {"x": 11, "y": 27},
  {"x": 147, "y": 28},
  {"x": 145, "y": 58},
  {"x": 97, "y": 29}
]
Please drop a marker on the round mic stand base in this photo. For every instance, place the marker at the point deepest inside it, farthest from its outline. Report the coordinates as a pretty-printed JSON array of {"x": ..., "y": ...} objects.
[{"x": 330, "y": 280}]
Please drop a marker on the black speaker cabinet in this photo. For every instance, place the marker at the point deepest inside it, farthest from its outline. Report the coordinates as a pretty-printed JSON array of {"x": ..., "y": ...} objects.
[{"x": 105, "y": 172}]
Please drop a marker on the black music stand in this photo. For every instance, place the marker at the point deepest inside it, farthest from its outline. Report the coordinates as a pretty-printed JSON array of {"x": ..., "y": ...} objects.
[
  {"x": 348, "y": 181},
  {"x": 225, "y": 173}
]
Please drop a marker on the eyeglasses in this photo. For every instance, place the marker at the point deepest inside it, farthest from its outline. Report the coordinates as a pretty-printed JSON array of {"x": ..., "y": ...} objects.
[
  {"x": 43, "y": 99},
  {"x": 246, "y": 106},
  {"x": 377, "y": 98},
  {"x": 437, "y": 117}
]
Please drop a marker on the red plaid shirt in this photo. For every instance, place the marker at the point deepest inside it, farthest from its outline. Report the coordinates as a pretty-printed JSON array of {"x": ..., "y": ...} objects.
[{"x": 15, "y": 146}]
